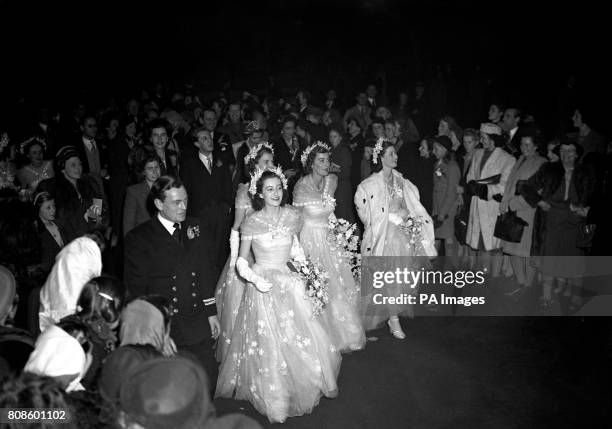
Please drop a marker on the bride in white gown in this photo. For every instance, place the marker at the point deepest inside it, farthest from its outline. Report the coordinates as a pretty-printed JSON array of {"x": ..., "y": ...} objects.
[{"x": 280, "y": 358}]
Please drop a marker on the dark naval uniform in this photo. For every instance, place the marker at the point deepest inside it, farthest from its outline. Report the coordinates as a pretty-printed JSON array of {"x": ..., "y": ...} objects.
[{"x": 182, "y": 270}]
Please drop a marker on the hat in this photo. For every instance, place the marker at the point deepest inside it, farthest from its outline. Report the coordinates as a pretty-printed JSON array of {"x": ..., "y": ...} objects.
[
  {"x": 444, "y": 141},
  {"x": 64, "y": 154},
  {"x": 118, "y": 367},
  {"x": 167, "y": 392},
  {"x": 8, "y": 290},
  {"x": 490, "y": 128}
]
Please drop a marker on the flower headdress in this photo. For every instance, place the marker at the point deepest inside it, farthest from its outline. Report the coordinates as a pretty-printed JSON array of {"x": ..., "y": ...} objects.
[
  {"x": 253, "y": 152},
  {"x": 257, "y": 175},
  {"x": 23, "y": 145},
  {"x": 304, "y": 157},
  {"x": 377, "y": 149}
]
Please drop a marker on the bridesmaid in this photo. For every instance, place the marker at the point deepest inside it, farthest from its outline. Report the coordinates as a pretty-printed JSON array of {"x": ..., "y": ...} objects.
[
  {"x": 230, "y": 286},
  {"x": 385, "y": 200},
  {"x": 313, "y": 193}
]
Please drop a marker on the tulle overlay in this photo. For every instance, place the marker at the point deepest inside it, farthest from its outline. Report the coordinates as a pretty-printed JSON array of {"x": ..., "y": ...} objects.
[
  {"x": 230, "y": 286},
  {"x": 341, "y": 318},
  {"x": 397, "y": 243},
  {"x": 278, "y": 357}
]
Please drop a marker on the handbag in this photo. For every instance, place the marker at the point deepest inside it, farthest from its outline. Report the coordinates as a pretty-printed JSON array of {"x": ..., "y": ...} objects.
[
  {"x": 509, "y": 227},
  {"x": 586, "y": 232}
]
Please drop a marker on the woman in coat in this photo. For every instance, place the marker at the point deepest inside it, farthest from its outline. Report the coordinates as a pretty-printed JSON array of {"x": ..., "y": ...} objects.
[
  {"x": 384, "y": 201},
  {"x": 341, "y": 158},
  {"x": 486, "y": 180},
  {"x": 446, "y": 178},
  {"x": 526, "y": 167}
]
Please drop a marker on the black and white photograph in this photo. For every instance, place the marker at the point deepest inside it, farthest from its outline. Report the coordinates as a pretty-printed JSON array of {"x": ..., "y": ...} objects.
[{"x": 334, "y": 214}]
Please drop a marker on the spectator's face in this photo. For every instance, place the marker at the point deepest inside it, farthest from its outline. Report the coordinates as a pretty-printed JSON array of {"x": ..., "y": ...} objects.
[
  {"x": 331, "y": 94},
  {"x": 159, "y": 138},
  {"x": 301, "y": 98},
  {"x": 362, "y": 99},
  {"x": 272, "y": 192},
  {"x": 353, "y": 127},
  {"x": 320, "y": 164},
  {"x": 47, "y": 211},
  {"x": 389, "y": 130},
  {"x": 439, "y": 151},
  {"x": 255, "y": 138},
  {"x": 73, "y": 168},
  {"x": 389, "y": 159},
  {"x": 424, "y": 149},
  {"x": 265, "y": 160},
  {"x": 419, "y": 91},
  {"x": 210, "y": 120},
  {"x": 334, "y": 137},
  {"x": 130, "y": 129},
  {"x": 487, "y": 142},
  {"x": 403, "y": 97},
  {"x": 234, "y": 113},
  {"x": 204, "y": 142},
  {"x": 301, "y": 132},
  {"x": 552, "y": 157},
  {"x": 133, "y": 107},
  {"x": 113, "y": 124},
  {"x": 152, "y": 171},
  {"x": 378, "y": 130},
  {"x": 174, "y": 206},
  {"x": 510, "y": 120},
  {"x": 443, "y": 129},
  {"x": 528, "y": 148},
  {"x": 289, "y": 129},
  {"x": 577, "y": 119},
  {"x": 469, "y": 143},
  {"x": 568, "y": 154},
  {"x": 90, "y": 128},
  {"x": 371, "y": 91},
  {"x": 35, "y": 154},
  {"x": 495, "y": 113},
  {"x": 383, "y": 112},
  {"x": 327, "y": 118},
  {"x": 152, "y": 114}
]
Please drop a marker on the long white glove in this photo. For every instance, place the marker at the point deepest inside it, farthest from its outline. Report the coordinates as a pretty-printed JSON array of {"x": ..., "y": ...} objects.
[
  {"x": 247, "y": 273},
  {"x": 234, "y": 247}
]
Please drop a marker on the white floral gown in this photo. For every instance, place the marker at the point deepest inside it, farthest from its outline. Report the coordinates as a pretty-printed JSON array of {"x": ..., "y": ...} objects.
[
  {"x": 341, "y": 317},
  {"x": 279, "y": 357},
  {"x": 230, "y": 286}
]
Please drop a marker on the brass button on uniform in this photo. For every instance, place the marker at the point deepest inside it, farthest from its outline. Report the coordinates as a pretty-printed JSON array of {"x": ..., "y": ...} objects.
[
  {"x": 174, "y": 288},
  {"x": 174, "y": 299},
  {"x": 193, "y": 294},
  {"x": 193, "y": 274}
]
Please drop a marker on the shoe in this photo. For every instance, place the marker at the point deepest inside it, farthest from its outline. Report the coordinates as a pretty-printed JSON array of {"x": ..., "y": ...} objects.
[{"x": 397, "y": 333}]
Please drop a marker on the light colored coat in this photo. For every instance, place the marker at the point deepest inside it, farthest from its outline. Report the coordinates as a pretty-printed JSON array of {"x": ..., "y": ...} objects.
[
  {"x": 522, "y": 170},
  {"x": 372, "y": 202},
  {"x": 483, "y": 214}
]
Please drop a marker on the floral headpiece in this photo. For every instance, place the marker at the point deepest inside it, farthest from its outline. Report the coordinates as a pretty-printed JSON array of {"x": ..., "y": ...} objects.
[
  {"x": 23, "y": 145},
  {"x": 377, "y": 149},
  {"x": 304, "y": 157},
  {"x": 257, "y": 175},
  {"x": 251, "y": 127},
  {"x": 253, "y": 152}
]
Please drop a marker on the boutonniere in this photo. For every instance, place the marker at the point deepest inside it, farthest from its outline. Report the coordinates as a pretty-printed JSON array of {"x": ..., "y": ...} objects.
[
  {"x": 438, "y": 173},
  {"x": 193, "y": 232},
  {"x": 219, "y": 163}
]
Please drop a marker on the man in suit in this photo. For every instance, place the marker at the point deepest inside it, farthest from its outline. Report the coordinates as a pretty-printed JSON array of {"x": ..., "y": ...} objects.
[
  {"x": 91, "y": 151},
  {"x": 241, "y": 149},
  {"x": 234, "y": 128},
  {"x": 287, "y": 151},
  {"x": 331, "y": 100},
  {"x": 513, "y": 133},
  {"x": 170, "y": 255},
  {"x": 360, "y": 111},
  {"x": 221, "y": 141},
  {"x": 209, "y": 185}
]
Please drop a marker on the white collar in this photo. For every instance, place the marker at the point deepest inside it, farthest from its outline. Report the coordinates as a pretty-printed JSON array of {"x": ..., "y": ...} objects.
[
  {"x": 513, "y": 132},
  {"x": 169, "y": 225}
]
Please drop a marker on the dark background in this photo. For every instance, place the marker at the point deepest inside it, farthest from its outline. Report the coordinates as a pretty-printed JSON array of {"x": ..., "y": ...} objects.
[{"x": 60, "y": 51}]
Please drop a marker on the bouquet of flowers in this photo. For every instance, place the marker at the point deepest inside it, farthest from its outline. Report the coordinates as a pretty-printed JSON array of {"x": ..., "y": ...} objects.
[
  {"x": 412, "y": 226},
  {"x": 316, "y": 279},
  {"x": 342, "y": 237}
]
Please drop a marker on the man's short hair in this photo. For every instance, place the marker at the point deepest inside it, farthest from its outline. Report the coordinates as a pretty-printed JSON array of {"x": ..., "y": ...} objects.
[{"x": 163, "y": 184}]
